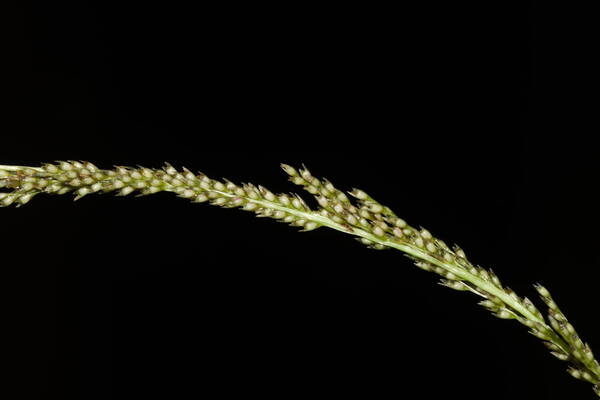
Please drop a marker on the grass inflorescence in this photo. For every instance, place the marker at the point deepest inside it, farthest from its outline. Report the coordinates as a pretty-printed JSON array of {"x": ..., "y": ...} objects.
[{"x": 355, "y": 213}]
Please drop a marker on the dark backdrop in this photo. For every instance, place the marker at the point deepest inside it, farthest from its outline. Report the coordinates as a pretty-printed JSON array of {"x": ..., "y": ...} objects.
[{"x": 460, "y": 116}]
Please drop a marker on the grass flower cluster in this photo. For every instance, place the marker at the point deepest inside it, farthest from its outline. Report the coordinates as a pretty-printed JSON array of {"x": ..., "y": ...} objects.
[{"x": 355, "y": 213}]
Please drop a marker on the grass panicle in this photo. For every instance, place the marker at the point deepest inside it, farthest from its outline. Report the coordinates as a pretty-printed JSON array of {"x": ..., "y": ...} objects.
[{"x": 357, "y": 213}]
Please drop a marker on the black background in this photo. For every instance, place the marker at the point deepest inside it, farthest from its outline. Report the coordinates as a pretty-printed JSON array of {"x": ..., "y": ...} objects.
[{"x": 460, "y": 116}]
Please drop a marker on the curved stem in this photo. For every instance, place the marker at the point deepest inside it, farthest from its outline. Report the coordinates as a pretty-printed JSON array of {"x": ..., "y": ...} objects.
[{"x": 413, "y": 251}]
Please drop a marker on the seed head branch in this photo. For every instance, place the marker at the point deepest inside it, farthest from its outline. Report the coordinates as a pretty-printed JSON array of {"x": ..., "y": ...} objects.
[{"x": 372, "y": 223}]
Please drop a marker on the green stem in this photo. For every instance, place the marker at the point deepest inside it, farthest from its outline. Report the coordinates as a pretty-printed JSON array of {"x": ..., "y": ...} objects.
[
  {"x": 415, "y": 252},
  {"x": 465, "y": 275},
  {"x": 14, "y": 168}
]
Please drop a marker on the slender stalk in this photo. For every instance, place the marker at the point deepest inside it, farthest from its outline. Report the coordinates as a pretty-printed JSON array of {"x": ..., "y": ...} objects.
[
  {"x": 478, "y": 282},
  {"x": 408, "y": 249},
  {"x": 372, "y": 223},
  {"x": 14, "y": 168}
]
